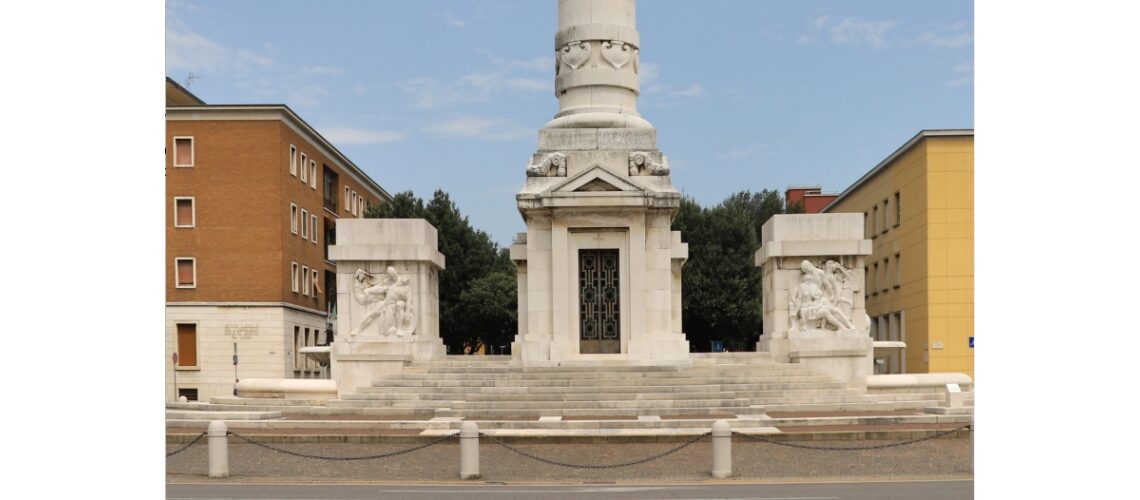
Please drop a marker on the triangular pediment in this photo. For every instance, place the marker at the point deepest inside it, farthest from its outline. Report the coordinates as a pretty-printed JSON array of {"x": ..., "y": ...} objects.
[{"x": 596, "y": 179}]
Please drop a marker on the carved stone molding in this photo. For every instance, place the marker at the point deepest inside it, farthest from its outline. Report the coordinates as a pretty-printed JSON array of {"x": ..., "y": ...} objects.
[
  {"x": 640, "y": 160},
  {"x": 555, "y": 161},
  {"x": 823, "y": 298},
  {"x": 617, "y": 53},
  {"x": 575, "y": 54},
  {"x": 388, "y": 303}
]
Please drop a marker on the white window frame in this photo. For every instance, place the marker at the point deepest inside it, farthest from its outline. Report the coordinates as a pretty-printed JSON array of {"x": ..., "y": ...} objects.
[
  {"x": 296, "y": 278},
  {"x": 304, "y": 224},
  {"x": 305, "y": 280},
  {"x": 293, "y": 218},
  {"x": 355, "y": 197},
  {"x": 174, "y": 155},
  {"x": 316, "y": 288},
  {"x": 313, "y": 228},
  {"x": 313, "y": 174},
  {"x": 304, "y": 173},
  {"x": 193, "y": 211},
  {"x": 347, "y": 199},
  {"x": 193, "y": 270},
  {"x": 293, "y": 160}
]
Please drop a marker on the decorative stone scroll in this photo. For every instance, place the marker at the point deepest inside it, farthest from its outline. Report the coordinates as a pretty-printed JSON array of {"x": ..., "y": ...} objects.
[
  {"x": 617, "y": 53},
  {"x": 823, "y": 298},
  {"x": 640, "y": 160},
  {"x": 388, "y": 302},
  {"x": 555, "y": 161},
  {"x": 575, "y": 54}
]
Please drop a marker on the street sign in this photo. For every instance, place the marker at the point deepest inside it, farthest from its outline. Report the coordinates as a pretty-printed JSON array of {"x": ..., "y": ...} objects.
[{"x": 971, "y": 342}]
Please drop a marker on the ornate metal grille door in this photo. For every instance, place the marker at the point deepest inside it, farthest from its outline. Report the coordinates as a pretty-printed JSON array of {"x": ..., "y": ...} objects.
[{"x": 599, "y": 306}]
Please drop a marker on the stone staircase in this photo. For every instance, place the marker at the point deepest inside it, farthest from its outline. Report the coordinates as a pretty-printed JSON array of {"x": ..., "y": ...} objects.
[{"x": 725, "y": 385}]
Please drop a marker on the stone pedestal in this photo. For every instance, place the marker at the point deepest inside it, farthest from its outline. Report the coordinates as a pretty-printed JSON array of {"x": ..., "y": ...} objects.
[
  {"x": 387, "y": 298},
  {"x": 812, "y": 274},
  {"x": 598, "y": 190}
]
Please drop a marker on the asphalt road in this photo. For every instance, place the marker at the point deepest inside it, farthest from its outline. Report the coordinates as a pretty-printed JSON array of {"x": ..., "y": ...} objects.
[{"x": 927, "y": 490}]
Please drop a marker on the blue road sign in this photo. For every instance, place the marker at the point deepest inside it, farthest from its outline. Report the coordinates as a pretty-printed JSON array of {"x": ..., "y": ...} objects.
[{"x": 971, "y": 342}]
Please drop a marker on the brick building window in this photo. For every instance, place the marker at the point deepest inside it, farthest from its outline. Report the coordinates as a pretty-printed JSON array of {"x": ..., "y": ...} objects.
[
  {"x": 347, "y": 199},
  {"x": 330, "y": 235},
  {"x": 293, "y": 217},
  {"x": 884, "y": 283},
  {"x": 183, "y": 211},
  {"x": 305, "y": 279},
  {"x": 184, "y": 151},
  {"x": 296, "y": 278},
  {"x": 313, "y": 174},
  {"x": 304, "y": 224},
  {"x": 875, "y": 285},
  {"x": 316, "y": 289},
  {"x": 313, "y": 228},
  {"x": 886, "y": 210},
  {"x": 898, "y": 269},
  {"x": 304, "y": 171},
  {"x": 293, "y": 160},
  {"x": 331, "y": 181},
  {"x": 876, "y": 213},
  {"x": 187, "y": 345},
  {"x": 185, "y": 272}
]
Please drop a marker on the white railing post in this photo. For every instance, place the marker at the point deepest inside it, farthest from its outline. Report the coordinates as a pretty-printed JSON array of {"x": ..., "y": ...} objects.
[
  {"x": 469, "y": 451},
  {"x": 721, "y": 449},
  {"x": 218, "y": 448}
]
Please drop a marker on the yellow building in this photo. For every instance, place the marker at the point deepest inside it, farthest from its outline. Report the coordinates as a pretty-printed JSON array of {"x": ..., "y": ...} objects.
[{"x": 918, "y": 207}]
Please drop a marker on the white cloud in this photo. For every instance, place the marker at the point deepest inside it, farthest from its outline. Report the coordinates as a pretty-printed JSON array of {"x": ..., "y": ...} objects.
[
  {"x": 695, "y": 90},
  {"x": 190, "y": 51},
  {"x": 347, "y": 135},
  {"x": 963, "y": 75},
  {"x": 855, "y": 31},
  {"x": 454, "y": 21},
  {"x": 480, "y": 127},
  {"x": 429, "y": 93},
  {"x": 952, "y": 36},
  {"x": 656, "y": 94},
  {"x": 323, "y": 70}
]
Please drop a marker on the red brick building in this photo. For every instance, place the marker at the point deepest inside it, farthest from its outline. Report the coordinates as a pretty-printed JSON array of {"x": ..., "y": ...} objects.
[
  {"x": 811, "y": 198},
  {"x": 253, "y": 194}
]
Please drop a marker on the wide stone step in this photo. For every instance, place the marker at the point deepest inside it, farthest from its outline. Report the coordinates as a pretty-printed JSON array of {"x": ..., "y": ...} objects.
[
  {"x": 463, "y": 374},
  {"x": 851, "y": 406},
  {"x": 768, "y": 387},
  {"x": 580, "y": 405},
  {"x": 574, "y": 396},
  {"x": 221, "y": 415},
  {"x": 596, "y": 382},
  {"x": 603, "y": 413},
  {"x": 233, "y": 400}
]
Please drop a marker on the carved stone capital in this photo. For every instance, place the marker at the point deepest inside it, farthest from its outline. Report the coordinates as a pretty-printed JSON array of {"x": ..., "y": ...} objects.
[
  {"x": 552, "y": 161},
  {"x": 640, "y": 161}
]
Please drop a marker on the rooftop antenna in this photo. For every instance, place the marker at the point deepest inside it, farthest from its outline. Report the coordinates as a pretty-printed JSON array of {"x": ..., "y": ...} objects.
[{"x": 190, "y": 78}]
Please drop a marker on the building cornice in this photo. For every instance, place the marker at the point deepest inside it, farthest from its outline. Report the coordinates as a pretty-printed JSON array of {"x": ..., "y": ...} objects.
[
  {"x": 283, "y": 113},
  {"x": 923, "y": 134},
  {"x": 247, "y": 304}
]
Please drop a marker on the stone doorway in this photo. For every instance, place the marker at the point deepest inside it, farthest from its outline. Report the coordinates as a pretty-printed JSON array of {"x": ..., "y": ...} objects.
[{"x": 599, "y": 301}]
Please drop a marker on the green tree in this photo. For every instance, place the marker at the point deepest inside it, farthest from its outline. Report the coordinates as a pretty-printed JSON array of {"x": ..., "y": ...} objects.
[
  {"x": 720, "y": 285},
  {"x": 477, "y": 289}
]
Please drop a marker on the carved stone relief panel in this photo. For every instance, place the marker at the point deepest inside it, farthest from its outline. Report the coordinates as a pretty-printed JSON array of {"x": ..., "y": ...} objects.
[
  {"x": 822, "y": 299},
  {"x": 640, "y": 161},
  {"x": 388, "y": 304},
  {"x": 551, "y": 165}
]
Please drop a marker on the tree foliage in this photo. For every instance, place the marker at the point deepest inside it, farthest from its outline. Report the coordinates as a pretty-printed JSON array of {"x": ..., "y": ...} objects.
[
  {"x": 720, "y": 283},
  {"x": 478, "y": 288}
]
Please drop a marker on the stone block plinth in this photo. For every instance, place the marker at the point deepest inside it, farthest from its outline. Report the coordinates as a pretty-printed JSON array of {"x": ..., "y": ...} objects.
[{"x": 387, "y": 290}]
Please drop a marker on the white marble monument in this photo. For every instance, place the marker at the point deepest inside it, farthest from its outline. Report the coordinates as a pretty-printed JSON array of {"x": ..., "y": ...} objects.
[
  {"x": 387, "y": 298},
  {"x": 599, "y": 269},
  {"x": 812, "y": 283}
]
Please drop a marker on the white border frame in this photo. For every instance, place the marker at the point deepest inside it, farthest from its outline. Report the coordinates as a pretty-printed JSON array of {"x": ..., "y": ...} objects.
[
  {"x": 305, "y": 281},
  {"x": 313, "y": 174},
  {"x": 174, "y": 151},
  {"x": 304, "y": 172},
  {"x": 193, "y": 212},
  {"x": 194, "y": 270},
  {"x": 293, "y": 218},
  {"x": 316, "y": 287},
  {"x": 296, "y": 280},
  {"x": 313, "y": 228},
  {"x": 304, "y": 224}
]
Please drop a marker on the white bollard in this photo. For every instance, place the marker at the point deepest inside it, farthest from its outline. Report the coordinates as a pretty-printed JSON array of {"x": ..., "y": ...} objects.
[
  {"x": 218, "y": 447},
  {"x": 721, "y": 449},
  {"x": 469, "y": 451}
]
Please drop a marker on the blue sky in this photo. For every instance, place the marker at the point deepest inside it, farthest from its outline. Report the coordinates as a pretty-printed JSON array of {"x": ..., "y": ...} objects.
[{"x": 449, "y": 94}]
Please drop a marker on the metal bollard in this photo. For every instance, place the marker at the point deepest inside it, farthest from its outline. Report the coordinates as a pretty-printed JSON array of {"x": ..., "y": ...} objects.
[
  {"x": 469, "y": 451},
  {"x": 219, "y": 450},
  {"x": 721, "y": 449}
]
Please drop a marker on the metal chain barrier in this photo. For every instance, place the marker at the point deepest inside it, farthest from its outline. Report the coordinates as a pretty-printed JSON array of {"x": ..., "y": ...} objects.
[
  {"x": 188, "y": 445},
  {"x": 853, "y": 448},
  {"x": 605, "y": 466},
  {"x": 363, "y": 457}
]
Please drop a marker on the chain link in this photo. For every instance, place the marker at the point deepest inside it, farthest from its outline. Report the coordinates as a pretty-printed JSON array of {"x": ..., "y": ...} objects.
[
  {"x": 853, "y": 448},
  {"x": 191, "y": 443},
  {"x": 363, "y": 457},
  {"x": 499, "y": 442}
]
